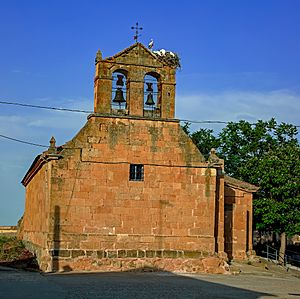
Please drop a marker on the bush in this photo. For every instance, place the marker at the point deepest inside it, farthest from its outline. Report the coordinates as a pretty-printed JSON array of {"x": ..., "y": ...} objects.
[{"x": 10, "y": 248}]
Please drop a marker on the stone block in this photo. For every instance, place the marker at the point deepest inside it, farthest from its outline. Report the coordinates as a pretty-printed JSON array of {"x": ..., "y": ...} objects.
[
  {"x": 77, "y": 253},
  {"x": 141, "y": 253},
  {"x": 170, "y": 254},
  {"x": 192, "y": 254},
  {"x": 90, "y": 253},
  {"x": 196, "y": 231},
  {"x": 111, "y": 254},
  {"x": 131, "y": 253},
  {"x": 159, "y": 253},
  {"x": 61, "y": 253},
  {"x": 150, "y": 253},
  {"x": 121, "y": 253},
  {"x": 214, "y": 264}
]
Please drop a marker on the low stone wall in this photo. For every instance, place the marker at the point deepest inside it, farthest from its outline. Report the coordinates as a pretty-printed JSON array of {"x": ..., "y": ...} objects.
[
  {"x": 137, "y": 260},
  {"x": 8, "y": 231},
  {"x": 67, "y": 253},
  {"x": 64, "y": 260},
  {"x": 204, "y": 265}
]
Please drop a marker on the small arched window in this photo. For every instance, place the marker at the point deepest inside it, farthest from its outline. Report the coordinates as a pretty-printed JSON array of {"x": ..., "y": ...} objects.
[
  {"x": 151, "y": 95},
  {"x": 119, "y": 90}
]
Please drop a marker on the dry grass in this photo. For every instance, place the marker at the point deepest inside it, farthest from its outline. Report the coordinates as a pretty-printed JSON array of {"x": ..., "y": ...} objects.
[
  {"x": 11, "y": 249},
  {"x": 14, "y": 254}
]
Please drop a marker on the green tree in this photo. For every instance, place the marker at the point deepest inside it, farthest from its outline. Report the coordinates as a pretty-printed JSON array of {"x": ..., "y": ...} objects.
[
  {"x": 277, "y": 206},
  {"x": 186, "y": 128},
  {"x": 205, "y": 141},
  {"x": 266, "y": 154}
]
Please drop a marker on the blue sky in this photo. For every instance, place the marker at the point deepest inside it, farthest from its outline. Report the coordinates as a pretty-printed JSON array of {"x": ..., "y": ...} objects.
[{"x": 240, "y": 60}]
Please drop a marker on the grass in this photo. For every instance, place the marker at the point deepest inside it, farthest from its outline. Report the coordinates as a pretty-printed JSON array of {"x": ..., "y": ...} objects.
[
  {"x": 3, "y": 240},
  {"x": 10, "y": 248}
]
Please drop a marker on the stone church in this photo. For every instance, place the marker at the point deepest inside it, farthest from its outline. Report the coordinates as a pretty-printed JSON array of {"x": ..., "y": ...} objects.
[{"x": 131, "y": 190}]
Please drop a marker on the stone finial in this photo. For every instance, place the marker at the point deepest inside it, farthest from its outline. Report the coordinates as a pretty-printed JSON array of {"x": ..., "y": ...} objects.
[
  {"x": 98, "y": 56},
  {"x": 52, "y": 147},
  {"x": 213, "y": 159}
]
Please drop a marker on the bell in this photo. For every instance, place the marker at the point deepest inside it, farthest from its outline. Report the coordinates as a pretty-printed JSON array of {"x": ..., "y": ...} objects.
[
  {"x": 150, "y": 101},
  {"x": 119, "y": 98},
  {"x": 149, "y": 86},
  {"x": 120, "y": 80}
]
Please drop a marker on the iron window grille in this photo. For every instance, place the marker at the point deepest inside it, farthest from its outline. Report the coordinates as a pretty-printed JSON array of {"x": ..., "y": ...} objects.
[{"x": 136, "y": 172}]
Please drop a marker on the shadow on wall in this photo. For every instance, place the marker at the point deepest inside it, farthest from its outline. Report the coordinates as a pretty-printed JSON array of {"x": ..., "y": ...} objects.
[
  {"x": 138, "y": 284},
  {"x": 56, "y": 239}
]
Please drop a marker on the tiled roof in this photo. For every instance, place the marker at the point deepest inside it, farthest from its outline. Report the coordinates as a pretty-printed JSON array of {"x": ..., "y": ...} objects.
[{"x": 232, "y": 182}]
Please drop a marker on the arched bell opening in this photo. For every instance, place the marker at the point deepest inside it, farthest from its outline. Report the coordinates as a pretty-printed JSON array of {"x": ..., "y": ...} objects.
[
  {"x": 152, "y": 95},
  {"x": 119, "y": 91}
]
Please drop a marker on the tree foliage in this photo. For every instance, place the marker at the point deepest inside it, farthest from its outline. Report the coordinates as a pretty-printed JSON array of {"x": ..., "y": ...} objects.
[
  {"x": 205, "y": 140},
  {"x": 265, "y": 154}
]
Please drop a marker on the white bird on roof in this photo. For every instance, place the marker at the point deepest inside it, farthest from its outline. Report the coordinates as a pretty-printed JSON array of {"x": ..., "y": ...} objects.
[
  {"x": 151, "y": 44},
  {"x": 162, "y": 52}
]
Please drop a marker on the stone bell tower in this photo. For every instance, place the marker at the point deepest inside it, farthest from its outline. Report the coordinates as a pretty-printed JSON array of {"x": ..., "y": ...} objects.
[{"x": 136, "y": 82}]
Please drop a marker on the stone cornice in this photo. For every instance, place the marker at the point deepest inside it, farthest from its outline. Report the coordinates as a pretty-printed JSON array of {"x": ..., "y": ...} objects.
[
  {"x": 133, "y": 117},
  {"x": 36, "y": 165}
]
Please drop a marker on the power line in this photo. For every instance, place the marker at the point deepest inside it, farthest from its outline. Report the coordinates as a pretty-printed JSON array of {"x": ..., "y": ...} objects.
[
  {"x": 45, "y": 107},
  {"x": 22, "y": 141},
  {"x": 46, "y": 146},
  {"x": 205, "y": 121},
  {"x": 217, "y": 122},
  {"x": 88, "y": 112}
]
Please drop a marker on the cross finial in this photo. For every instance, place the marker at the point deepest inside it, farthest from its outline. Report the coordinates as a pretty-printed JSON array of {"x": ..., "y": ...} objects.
[{"x": 136, "y": 28}]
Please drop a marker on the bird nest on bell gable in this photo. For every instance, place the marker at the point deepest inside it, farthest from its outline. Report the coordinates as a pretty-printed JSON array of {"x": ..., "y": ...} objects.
[{"x": 168, "y": 57}]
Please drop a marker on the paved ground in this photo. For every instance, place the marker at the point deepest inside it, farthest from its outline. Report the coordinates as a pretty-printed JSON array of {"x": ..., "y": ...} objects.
[{"x": 21, "y": 284}]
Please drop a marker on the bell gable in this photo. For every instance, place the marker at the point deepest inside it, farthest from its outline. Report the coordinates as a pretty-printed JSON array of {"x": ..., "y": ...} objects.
[
  {"x": 136, "y": 54},
  {"x": 136, "y": 82}
]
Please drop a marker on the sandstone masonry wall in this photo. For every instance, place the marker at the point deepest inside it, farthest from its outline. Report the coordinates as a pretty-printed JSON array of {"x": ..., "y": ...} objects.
[
  {"x": 36, "y": 216},
  {"x": 241, "y": 222},
  {"x": 102, "y": 212}
]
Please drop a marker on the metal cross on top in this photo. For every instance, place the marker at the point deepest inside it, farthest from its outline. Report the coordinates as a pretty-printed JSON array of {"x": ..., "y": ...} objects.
[{"x": 136, "y": 28}]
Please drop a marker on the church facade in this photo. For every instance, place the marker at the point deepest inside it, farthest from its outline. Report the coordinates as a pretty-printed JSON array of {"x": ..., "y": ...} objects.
[{"x": 131, "y": 190}]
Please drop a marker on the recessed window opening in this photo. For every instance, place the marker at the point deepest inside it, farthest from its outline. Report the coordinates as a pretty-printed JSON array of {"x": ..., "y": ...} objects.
[
  {"x": 119, "y": 90},
  {"x": 136, "y": 172},
  {"x": 151, "y": 93}
]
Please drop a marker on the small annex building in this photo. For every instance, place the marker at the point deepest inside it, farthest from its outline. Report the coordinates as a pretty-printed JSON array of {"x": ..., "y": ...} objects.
[{"x": 131, "y": 190}]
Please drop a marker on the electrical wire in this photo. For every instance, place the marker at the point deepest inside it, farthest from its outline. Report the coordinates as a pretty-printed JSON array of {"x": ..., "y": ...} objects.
[
  {"x": 45, "y": 107},
  {"x": 22, "y": 141},
  {"x": 88, "y": 112},
  {"x": 205, "y": 121}
]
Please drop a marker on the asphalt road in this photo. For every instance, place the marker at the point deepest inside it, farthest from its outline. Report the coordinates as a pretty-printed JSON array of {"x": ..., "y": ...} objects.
[{"x": 21, "y": 284}]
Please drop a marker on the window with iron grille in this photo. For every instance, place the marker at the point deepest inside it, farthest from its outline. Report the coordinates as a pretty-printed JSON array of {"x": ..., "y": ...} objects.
[{"x": 136, "y": 172}]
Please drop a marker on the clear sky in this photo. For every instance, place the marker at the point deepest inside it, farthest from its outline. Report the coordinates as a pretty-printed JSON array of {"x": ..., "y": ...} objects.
[{"x": 240, "y": 60}]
